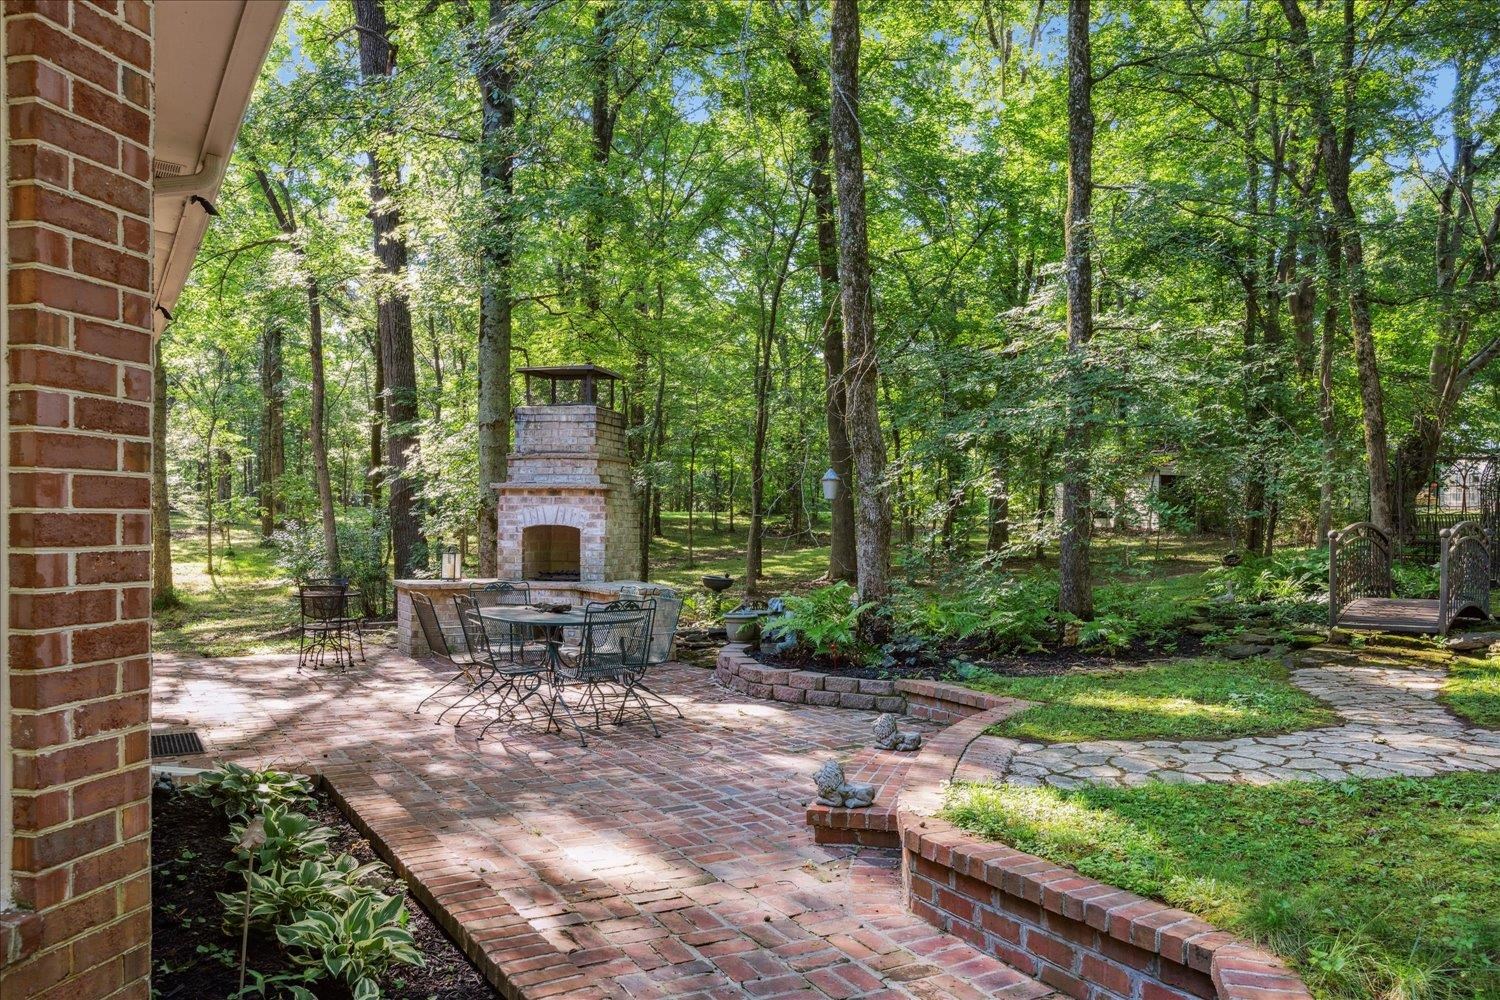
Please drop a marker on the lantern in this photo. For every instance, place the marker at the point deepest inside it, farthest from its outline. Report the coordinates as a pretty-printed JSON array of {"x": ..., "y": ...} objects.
[
  {"x": 830, "y": 485},
  {"x": 451, "y": 565}
]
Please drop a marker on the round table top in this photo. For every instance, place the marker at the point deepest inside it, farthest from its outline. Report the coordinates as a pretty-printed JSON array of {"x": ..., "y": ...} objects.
[{"x": 520, "y": 614}]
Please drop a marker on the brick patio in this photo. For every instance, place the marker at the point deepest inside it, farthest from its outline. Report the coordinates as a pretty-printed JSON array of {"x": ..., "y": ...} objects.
[{"x": 679, "y": 867}]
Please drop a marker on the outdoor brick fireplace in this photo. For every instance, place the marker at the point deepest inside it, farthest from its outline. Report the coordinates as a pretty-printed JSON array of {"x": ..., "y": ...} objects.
[{"x": 567, "y": 511}]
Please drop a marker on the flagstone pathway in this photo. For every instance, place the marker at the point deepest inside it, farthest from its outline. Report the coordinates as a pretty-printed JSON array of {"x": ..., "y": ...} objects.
[{"x": 1392, "y": 725}]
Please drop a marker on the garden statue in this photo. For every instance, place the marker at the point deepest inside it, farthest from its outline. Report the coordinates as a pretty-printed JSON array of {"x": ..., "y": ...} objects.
[
  {"x": 889, "y": 737},
  {"x": 772, "y": 639},
  {"x": 834, "y": 791}
]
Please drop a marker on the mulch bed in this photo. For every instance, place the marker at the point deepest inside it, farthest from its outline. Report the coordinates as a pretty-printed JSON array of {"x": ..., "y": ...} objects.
[
  {"x": 936, "y": 663},
  {"x": 192, "y": 957}
]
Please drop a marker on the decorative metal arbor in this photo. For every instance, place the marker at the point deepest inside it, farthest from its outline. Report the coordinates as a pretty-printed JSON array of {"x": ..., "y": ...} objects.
[{"x": 1489, "y": 514}]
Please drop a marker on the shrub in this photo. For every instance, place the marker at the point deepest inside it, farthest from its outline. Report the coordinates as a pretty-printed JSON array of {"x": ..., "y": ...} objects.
[
  {"x": 289, "y": 838},
  {"x": 243, "y": 793},
  {"x": 286, "y": 895},
  {"x": 356, "y": 945},
  {"x": 1009, "y": 612}
]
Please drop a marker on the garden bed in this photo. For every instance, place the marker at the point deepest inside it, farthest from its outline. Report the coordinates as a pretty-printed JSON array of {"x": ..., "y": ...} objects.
[
  {"x": 193, "y": 958},
  {"x": 935, "y": 661}
]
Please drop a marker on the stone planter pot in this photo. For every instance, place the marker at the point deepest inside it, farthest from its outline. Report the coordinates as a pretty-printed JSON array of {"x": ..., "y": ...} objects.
[{"x": 743, "y": 626}]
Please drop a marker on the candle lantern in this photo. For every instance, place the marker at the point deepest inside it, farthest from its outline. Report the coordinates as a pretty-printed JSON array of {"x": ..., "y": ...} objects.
[{"x": 451, "y": 567}]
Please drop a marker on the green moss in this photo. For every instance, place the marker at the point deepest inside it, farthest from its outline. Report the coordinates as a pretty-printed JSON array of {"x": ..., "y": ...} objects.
[
  {"x": 1202, "y": 699},
  {"x": 1472, "y": 690},
  {"x": 1373, "y": 889}
]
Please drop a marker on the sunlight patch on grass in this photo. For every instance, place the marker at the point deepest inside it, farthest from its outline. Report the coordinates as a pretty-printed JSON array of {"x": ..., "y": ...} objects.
[
  {"x": 1204, "y": 699},
  {"x": 1472, "y": 690},
  {"x": 1374, "y": 889}
]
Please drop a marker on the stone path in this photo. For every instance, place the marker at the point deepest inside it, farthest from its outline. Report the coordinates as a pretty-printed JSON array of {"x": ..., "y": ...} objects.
[
  {"x": 1392, "y": 726},
  {"x": 640, "y": 868}
]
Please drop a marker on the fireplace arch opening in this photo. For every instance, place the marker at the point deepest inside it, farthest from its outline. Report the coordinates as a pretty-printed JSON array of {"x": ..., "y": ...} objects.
[{"x": 550, "y": 552}]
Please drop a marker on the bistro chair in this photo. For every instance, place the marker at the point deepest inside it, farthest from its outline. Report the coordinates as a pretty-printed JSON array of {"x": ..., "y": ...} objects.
[
  {"x": 326, "y": 627},
  {"x": 509, "y": 684},
  {"x": 504, "y": 594},
  {"x": 342, "y": 583},
  {"x": 609, "y": 654},
  {"x": 666, "y": 609},
  {"x": 437, "y": 642}
]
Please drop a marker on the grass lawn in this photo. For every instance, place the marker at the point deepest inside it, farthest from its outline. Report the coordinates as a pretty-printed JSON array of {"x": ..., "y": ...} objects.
[
  {"x": 1472, "y": 690},
  {"x": 1204, "y": 699},
  {"x": 238, "y": 610},
  {"x": 1374, "y": 889}
]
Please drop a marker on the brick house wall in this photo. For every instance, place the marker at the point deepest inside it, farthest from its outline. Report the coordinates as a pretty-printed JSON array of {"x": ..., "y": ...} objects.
[{"x": 76, "y": 681}]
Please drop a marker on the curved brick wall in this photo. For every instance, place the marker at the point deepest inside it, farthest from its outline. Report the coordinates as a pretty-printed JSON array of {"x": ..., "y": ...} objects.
[{"x": 1084, "y": 938}]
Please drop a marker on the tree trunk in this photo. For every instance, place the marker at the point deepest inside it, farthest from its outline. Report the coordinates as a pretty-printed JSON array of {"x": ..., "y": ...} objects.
[
  {"x": 1076, "y": 594},
  {"x": 1337, "y": 152},
  {"x": 999, "y": 503},
  {"x": 1327, "y": 416},
  {"x": 320, "y": 428},
  {"x": 495, "y": 72},
  {"x": 377, "y": 423},
  {"x": 842, "y": 561},
  {"x": 862, "y": 374},
  {"x": 272, "y": 428},
  {"x": 162, "y": 592},
  {"x": 403, "y": 445}
]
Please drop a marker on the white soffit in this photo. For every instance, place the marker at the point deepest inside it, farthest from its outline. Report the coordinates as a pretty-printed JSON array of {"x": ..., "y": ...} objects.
[{"x": 208, "y": 58}]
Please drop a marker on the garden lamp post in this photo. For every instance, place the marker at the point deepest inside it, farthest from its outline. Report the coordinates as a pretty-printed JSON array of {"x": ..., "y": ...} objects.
[
  {"x": 450, "y": 563},
  {"x": 830, "y": 485}
]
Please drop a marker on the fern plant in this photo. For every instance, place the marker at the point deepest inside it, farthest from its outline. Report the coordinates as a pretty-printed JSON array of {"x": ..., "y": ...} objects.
[{"x": 827, "y": 619}]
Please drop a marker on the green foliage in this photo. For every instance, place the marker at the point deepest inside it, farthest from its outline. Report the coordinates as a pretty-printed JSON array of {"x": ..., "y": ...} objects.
[
  {"x": 1202, "y": 699},
  {"x": 826, "y": 618},
  {"x": 1009, "y": 612},
  {"x": 356, "y": 944},
  {"x": 242, "y": 792},
  {"x": 1372, "y": 888},
  {"x": 284, "y": 895},
  {"x": 289, "y": 838}
]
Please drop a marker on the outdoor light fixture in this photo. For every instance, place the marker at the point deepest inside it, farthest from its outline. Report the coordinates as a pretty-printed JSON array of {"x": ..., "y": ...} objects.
[
  {"x": 830, "y": 485},
  {"x": 450, "y": 563}
]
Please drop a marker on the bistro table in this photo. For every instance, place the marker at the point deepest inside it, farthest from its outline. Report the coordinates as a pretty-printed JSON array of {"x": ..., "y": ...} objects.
[{"x": 551, "y": 623}]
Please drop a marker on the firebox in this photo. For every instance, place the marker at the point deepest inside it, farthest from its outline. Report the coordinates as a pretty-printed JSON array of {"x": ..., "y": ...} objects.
[{"x": 567, "y": 509}]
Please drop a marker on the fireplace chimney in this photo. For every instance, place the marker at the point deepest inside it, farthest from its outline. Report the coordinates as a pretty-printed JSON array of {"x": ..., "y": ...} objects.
[{"x": 567, "y": 510}]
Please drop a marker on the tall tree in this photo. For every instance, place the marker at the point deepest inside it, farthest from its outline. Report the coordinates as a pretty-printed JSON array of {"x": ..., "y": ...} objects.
[
  {"x": 272, "y": 427},
  {"x": 1076, "y": 593},
  {"x": 377, "y": 62},
  {"x": 162, "y": 591},
  {"x": 493, "y": 52},
  {"x": 842, "y": 562},
  {"x": 1337, "y": 127},
  {"x": 862, "y": 371},
  {"x": 279, "y": 200}
]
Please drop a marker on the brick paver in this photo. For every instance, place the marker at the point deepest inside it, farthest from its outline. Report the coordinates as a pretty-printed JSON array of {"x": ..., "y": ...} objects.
[
  {"x": 1392, "y": 725},
  {"x": 679, "y": 867}
]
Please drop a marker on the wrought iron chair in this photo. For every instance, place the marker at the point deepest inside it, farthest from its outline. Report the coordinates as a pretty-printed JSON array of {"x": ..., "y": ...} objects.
[
  {"x": 666, "y": 610},
  {"x": 342, "y": 583},
  {"x": 505, "y": 594},
  {"x": 509, "y": 684},
  {"x": 437, "y": 642},
  {"x": 325, "y": 627},
  {"x": 612, "y": 649}
]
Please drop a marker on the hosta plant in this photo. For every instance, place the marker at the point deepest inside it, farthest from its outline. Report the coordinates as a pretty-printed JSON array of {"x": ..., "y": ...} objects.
[
  {"x": 355, "y": 944},
  {"x": 286, "y": 895},
  {"x": 290, "y": 838},
  {"x": 243, "y": 793}
]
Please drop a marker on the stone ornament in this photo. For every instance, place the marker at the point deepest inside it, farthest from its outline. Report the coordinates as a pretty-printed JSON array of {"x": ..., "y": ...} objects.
[
  {"x": 834, "y": 791},
  {"x": 889, "y": 737}
]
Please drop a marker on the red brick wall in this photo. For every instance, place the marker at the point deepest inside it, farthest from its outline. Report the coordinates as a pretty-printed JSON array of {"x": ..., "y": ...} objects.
[{"x": 78, "y": 385}]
